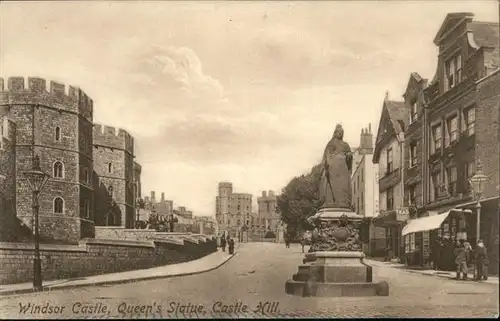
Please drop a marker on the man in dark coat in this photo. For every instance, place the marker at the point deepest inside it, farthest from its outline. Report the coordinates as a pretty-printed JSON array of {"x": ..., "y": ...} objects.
[
  {"x": 481, "y": 260},
  {"x": 461, "y": 260},
  {"x": 230, "y": 243},
  {"x": 223, "y": 243}
]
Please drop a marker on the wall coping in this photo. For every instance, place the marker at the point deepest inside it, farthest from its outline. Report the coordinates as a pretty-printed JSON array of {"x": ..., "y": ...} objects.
[
  {"x": 190, "y": 239},
  {"x": 109, "y": 227},
  {"x": 117, "y": 242},
  {"x": 43, "y": 247},
  {"x": 169, "y": 240}
]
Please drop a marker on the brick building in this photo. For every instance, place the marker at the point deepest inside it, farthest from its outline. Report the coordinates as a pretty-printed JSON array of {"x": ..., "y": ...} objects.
[
  {"x": 414, "y": 159},
  {"x": 388, "y": 154},
  {"x": 56, "y": 125},
  {"x": 114, "y": 171},
  {"x": 458, "y": 123},
  {"x": 7, "y": 176},
  {"x": 232, "y": 210}
]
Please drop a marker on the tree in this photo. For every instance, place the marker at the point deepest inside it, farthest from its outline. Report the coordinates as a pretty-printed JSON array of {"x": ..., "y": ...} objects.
[{"x": 300, "y": 200}]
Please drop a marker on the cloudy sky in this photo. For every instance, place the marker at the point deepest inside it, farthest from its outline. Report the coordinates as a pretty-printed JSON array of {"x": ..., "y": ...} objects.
[{"x": 247, "y": 92}]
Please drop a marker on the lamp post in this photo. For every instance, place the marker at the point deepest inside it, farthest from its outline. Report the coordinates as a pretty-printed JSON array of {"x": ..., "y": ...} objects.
[
  {"x": 36, "y": 179},
  {"x": 478, "y": 181}
]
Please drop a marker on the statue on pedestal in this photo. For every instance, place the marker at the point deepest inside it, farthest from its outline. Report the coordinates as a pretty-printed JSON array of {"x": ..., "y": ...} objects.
[
  {"x": 338, "y": 233},
  {"x": 335, "y": 184},
  {"x": 334, "y": 265}
]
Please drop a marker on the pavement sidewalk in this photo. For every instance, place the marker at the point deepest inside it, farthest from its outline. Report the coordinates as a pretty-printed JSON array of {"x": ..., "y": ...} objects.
[
  {"x": 204, "y": 264},
  {"x": 443, "y": 274}
]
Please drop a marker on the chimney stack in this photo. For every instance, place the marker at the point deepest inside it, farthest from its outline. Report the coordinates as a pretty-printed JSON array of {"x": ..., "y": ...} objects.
[
  {"x": 153, "y": 198},
  {"x": 366, "y": 141},
  {"x": 162, "y": 197}
]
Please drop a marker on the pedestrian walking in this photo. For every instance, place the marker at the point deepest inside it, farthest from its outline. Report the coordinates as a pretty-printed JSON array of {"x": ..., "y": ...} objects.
[
  {"x": 303, "y": 243},
  {"x": 481, "y": 261},
  {"x": 461, "y": 261},
  {"x": 223, "y": 243},
  {"x": 230, "y": 243}
]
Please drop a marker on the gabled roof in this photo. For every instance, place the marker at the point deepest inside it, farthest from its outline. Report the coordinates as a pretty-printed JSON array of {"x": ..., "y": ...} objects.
[
  {"x": 414, "y": 76},
  {"x": 485, "y": 34},
  {"x": 450, "y": 22},
  {"x": 398, "y": 116}
]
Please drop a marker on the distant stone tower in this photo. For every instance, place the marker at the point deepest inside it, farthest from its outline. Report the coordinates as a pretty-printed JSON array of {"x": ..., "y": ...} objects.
[
  {"x": 114, "y": 169},
  {"x": 223, "y": 204},
  {"x": 56, "y": 125}
]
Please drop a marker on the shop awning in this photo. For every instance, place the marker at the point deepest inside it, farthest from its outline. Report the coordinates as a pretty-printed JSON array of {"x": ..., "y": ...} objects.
[{"x": 425, "y": 223}]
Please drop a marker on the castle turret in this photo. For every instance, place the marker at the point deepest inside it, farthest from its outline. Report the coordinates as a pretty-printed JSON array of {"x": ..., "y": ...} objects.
[
  {"x": 162, "y": 197},
  {"x": 153, "y": 197}
]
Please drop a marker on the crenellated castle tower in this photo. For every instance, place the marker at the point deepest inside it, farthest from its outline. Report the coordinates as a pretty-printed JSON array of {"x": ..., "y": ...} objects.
[
  {"x": 116, "y": 179},
  {"x": 54, "y": 123}
]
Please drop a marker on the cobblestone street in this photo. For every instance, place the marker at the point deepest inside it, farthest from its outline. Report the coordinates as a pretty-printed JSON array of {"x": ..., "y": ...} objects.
[{"x": 258, "y": 274}]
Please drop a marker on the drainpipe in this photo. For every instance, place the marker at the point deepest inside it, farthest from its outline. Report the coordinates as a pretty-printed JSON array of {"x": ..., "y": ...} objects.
[{"x": 402, "y": 171}]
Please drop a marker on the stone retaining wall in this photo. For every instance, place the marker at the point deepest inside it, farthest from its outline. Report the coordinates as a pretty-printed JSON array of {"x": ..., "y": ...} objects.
[
  {"x": 98, "y": 256},
  {"x": 120, "y": 233}
]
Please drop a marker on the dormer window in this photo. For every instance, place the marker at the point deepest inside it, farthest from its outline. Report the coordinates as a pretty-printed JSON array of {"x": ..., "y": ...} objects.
[{"x": 453, "y": 71}]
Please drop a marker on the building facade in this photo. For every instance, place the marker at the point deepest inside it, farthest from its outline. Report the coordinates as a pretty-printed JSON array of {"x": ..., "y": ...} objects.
[
  {"x": 56, "y": 125},
  {"x": 232, "y": 210},
  {"x": 115, "y": 172},
  {"x": 388, "y": 154},
  {"x": 459, "y": 131},
  {"x": 267, "y": 218},
  {"x": 413, "y": 164},
  {"x": 7, "y": 177},
  {"x": 365, "y": 193},
  {"x": 453, "y": 129}
]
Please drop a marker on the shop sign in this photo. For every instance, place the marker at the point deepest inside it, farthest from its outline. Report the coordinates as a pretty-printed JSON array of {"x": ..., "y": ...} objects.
[{"x": 403, "y": 214}]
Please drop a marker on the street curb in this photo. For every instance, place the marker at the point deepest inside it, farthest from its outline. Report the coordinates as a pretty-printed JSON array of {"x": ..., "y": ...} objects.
[{"x": 99, "y": 283}]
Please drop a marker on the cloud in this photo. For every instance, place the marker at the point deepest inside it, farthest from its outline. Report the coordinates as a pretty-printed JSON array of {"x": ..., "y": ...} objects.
[{"x": 191, "y": 114}]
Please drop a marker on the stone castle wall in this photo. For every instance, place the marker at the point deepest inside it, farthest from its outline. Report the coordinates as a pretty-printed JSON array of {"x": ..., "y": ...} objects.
[
  {"x": 38, "y": 112},
  {"x": 95, "y": 257},
  {"x": 114, "y": 166}
]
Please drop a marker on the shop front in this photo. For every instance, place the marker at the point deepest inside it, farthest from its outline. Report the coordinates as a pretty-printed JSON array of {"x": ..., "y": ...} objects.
[
  {"x": 430, "y": 240},
  {"x": 393, "y": 222}
]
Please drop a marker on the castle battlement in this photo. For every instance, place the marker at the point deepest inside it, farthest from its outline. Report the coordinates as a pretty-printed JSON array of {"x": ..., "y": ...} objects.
[
  {"x": 34, "y": 91},
  {"x": 112, "y": 137}
]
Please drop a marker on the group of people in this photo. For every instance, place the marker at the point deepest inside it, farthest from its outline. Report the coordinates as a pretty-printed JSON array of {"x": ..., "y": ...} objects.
[
  {"x": 227, "y": 241},
  {"x": 464, "y": 254}
]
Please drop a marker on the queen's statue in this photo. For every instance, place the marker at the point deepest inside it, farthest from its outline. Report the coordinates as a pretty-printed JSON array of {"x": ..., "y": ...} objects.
[
  {"x": 335, "y": 185},
  {"x": 334, "y": 263}
]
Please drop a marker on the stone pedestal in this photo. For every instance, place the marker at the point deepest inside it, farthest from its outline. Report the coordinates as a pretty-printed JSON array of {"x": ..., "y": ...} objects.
[{"x": 334, "y": 265}]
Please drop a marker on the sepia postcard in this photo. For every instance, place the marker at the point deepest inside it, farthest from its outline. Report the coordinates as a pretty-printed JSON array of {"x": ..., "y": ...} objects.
[{"x": 249, "y": 159}]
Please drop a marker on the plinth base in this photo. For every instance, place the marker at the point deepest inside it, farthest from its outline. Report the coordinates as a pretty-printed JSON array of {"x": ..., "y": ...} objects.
[
  {"x": 333, "y": 274},
  {"x": 306, "y": 289}
]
